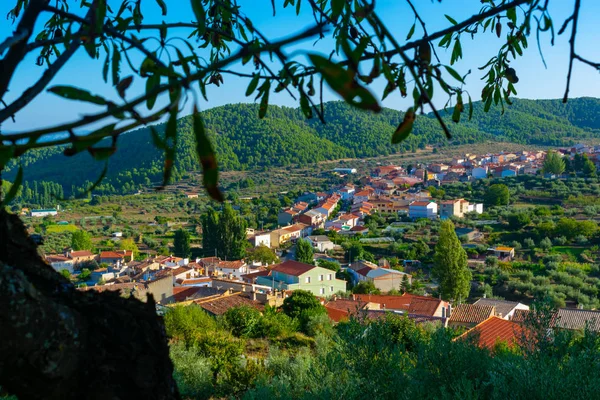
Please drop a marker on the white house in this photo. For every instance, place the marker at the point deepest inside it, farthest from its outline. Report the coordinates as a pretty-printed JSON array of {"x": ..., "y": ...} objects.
[
  {"x": 321, "y": 243},
  {"x": 347, "y": 193},
  {"x": 60, "y": 262},
  {"x": 476, "y": 208},
  {"x": 262, "y": 239},
  {"x": 43, "y": 212},
  {"x": 232, "y": 268},
  {"x": 422, "y": 209}
]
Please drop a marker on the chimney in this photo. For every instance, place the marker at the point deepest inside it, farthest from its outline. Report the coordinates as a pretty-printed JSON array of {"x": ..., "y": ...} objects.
[
  {"x": 500, "y": 315},
  {"x": 353, "y": 297}
]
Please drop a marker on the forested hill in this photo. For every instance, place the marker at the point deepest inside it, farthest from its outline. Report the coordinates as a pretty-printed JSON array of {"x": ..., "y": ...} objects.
[{"x": 284, "y": 137}]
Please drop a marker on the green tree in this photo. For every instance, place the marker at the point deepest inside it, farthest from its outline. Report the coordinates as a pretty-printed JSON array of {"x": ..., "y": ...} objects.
[
  {"x": 331, "y": 265},
  {"x": 302, "y": 305},
  {"x": 81, "y": 240},
  {"x": 84, "y": 275},
  {"x": 224, "y": 232},
  {"x": 243, "y": 321},
  {"x": 354, "y": 251},
  {"x": 263, "y": 254},
  {"x": 553, "y": 164},
  {"x": 366, "y": 287},
  {"x": 518, "y": 220},
  {"x": 129, "y": 244},
  {"x": 589, "y": 168},
  {"x": 181, "y": 243},
  {"x": 497, "y": 195},
  {"x": 450, "y": 265},
  {"x": 304, "y": 251},
  {"x": 66, "y": 274}
]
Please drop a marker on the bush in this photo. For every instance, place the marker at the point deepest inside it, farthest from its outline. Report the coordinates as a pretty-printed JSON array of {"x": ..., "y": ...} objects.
[
  {"x": 243, "y": 321},
  {"x": 546, "y": 243},
  {"x": 529, "y": 243}
]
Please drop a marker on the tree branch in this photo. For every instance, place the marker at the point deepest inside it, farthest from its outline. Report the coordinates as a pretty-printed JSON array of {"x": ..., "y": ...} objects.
[
  {"x": 575, "y": 19},
  {"x": 18, "y": 50}
]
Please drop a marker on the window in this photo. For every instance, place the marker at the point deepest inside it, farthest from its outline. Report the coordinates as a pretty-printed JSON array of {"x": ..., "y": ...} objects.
[
  {"x": 322, "y": 290},
  {"x": 307, "y": 279},
  {"x": 329, "y": 277},
  {"x": 320, "y": 277},
  {"x": 331, "y": 289}
]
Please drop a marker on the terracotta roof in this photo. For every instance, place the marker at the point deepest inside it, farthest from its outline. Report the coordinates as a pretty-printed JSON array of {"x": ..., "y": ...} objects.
[
  {"x": 208, "y": 260},
  {"x": 520, "y": 315},
  {"x": 232, "y": 264},
  {"x": 471, "y": 313},
  {"x": 182, "y": 293},
  {"x": 420, "y": 203},
  {"x": 254, "y": 275},
  {"x": 220, "y": 305},
  {"x": 420, "y": 305},
  {"x": 181, "y": 270},
  {"x": 81, "y": 253},
  {"x": 494, "y": 330},
  {"x": 503, "y": 307},
  {"x": 111, "y": 254},
  {"x": 195, "y": 281},
  {"x": 57, "y": 258},
  {"x": 575, "y": 319},
  {"x": 293, "y": 268},
  {"x": 346, "y": 304}
]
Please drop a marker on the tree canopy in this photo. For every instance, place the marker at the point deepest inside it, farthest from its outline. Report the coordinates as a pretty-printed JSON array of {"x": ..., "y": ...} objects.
[
  {"x": 450, "y": 265},
  {"x": 497, "y": 195},
  {"x": 81, "y": 240},
  {"x": 304, "y": 251},
  {"x": 181, "y": 243},
  {"x": 553, "y": 164},
  {"x": 224, "y": 232}
]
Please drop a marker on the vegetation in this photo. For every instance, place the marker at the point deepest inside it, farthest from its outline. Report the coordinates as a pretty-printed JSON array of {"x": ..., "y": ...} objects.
[
  {"x": 304, "y": 251},
  {"x": 81, "y": 240},
  {"x": 553, "y": 164},
  {"x": 231, "y": 357},
  {"x": 224, "y": 233},
  {"x": 497, "y": 195},
  {"x": 450, "y": 265},
  {"x": 181, "y": 243}
]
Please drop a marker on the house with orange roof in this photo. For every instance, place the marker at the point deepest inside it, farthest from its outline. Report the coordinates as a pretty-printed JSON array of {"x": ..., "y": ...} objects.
[
  {"x": 494, "y": 331},
  {"x": 409, "y": 304}
]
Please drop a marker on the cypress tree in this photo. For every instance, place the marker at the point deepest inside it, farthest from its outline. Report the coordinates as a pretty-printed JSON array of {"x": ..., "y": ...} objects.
[{"x": 450, "y": 265}]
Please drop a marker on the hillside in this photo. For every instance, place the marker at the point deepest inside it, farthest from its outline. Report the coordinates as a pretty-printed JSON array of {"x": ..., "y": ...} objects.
[{"x": 243, "y": 141}]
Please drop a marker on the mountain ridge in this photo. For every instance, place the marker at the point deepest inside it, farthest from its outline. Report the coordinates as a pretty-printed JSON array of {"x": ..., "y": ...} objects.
[{"x": 243, "y": 141}]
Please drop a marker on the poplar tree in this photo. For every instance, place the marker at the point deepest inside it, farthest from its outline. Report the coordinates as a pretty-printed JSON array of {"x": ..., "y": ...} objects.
[{"x": 450, "y": 265}]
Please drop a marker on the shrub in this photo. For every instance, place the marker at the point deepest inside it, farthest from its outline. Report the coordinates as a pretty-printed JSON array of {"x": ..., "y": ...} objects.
[{"x": 243, "y": 321}]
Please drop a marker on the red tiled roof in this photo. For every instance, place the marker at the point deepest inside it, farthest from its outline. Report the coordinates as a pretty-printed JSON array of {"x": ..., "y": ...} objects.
[
  {"x": 181, "y": 270},
  {"x": 414, "y": 304},
  {"x": 181, "y": 293},
  {"x": 471, "y": 313},
  {"x": 81, "y": 253},
  {"x": 111, "y": 254},
  {"x": 232, "y": 264},
  {"x": 195, "y": 281},
  {"x": 220, "y": 305},
  {"x": 494, "y": 330},
  {"x": 293, "y": 268},
  {"x": 57, "y": 258}
]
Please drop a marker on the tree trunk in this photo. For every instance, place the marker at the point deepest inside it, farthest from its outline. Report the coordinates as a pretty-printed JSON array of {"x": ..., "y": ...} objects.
[{"x": 60, "y": 343}]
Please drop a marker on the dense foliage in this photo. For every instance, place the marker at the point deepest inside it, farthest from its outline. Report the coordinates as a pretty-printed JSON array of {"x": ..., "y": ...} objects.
[
  {"x": 387, "y": 358},
  {"x": 450, "y": 265}
]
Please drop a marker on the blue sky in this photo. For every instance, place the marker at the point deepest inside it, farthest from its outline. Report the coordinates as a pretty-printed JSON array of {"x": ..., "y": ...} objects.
[{"x": 536, "y": 82}]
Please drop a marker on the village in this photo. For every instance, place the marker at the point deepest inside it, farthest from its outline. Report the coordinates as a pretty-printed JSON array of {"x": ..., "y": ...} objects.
[{"x": 321, "y": 219}]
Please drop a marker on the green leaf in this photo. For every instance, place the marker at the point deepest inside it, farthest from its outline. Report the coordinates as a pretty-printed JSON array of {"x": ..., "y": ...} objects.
[
  {"x": 73, "y": 93},
  {"x": 411, "y": 32},
  {"x": 488, "y": 103},
  {"x": 337, "y": 6},
  {"x": 342, "y": 81},
  {"x": 208, "y": 159},
  {"x": 454, "y": 74},
  {"x": 458, "y": 108},
  {"x": 163, "y": 6},
  {"x": 116, "y": 65},
  {"x": 200, "y": 14},
  {"x": 105, "y": 67},
  {"x": 305, "y": 106},
  {"x": 14, "y": 188},
  {"x": 253, "y": 84},
  {"x": 152, "y": 82},
  {"x": 405, "y": 128},
  {"x": 452, "y": 20},
  {"x": 264, "y": 103},
  {"x": 511, "y": 14},
  {"x": 470, "y": 108},
  {"x": 100, "y": 16}
]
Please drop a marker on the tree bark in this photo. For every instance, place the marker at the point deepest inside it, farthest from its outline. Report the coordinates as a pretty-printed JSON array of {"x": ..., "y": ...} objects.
[{"x": 60, "y": 343}]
